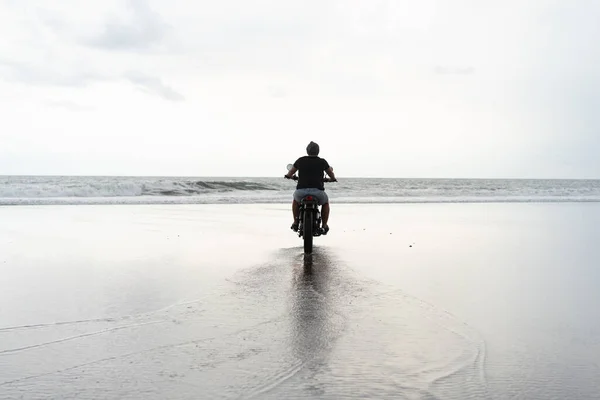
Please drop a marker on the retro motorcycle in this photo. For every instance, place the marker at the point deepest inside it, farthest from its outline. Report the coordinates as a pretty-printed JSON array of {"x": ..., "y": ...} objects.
[{"x": 309, "y": 217}]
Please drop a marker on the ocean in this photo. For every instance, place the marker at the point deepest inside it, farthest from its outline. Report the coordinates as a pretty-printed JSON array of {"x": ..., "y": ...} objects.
[{"x": 47, "y": 190}]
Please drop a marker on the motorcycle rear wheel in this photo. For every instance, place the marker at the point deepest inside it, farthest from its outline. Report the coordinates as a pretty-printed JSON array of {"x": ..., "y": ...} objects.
[{"x": 307, "y": 233}]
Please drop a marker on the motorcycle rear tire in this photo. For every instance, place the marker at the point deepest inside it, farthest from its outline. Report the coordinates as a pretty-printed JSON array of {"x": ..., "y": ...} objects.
[{"x": 307, "y": 225}]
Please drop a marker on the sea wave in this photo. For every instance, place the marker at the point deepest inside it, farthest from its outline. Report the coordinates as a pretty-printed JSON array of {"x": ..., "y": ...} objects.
[
  {"x": 43, "y": 190},
  {"x": 128, "y": 188}
]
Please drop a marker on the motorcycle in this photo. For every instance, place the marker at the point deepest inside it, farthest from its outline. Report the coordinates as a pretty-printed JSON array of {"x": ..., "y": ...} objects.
[{"x": 309, "y": 224}]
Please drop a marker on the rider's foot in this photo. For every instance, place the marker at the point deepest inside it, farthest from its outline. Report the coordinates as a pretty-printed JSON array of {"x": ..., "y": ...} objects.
[
  {"x": 294, "y": 227},
  {"x": 325, "y": 229}
]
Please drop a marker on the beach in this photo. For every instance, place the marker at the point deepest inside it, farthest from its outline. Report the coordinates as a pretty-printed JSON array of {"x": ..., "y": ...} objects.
[{"x": 217, "y": 301}]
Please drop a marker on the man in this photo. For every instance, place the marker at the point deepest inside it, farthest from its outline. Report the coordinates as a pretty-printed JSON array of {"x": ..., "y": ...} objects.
[{"x": 310, "y": 182}]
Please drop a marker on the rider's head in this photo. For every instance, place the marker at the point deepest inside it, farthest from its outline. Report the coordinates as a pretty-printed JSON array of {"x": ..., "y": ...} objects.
[{"x": 312, "y": 149}]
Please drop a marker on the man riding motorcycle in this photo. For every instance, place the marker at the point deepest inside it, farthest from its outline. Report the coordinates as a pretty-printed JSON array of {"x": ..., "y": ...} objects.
[{"x": 310, "y": 182}]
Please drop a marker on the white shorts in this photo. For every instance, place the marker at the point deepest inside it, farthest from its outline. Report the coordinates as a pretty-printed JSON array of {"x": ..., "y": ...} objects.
[{"x": 319, "y": 194}]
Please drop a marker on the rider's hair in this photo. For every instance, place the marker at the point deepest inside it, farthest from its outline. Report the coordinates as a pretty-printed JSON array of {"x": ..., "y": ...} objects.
[{"x": 312, "y": 149}]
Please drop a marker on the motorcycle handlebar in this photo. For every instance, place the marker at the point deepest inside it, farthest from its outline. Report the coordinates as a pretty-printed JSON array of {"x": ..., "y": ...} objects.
[{"x": 295, "y": 178}]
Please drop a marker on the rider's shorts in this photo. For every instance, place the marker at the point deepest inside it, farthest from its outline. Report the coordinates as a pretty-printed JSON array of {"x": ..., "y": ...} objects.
[{"x": 319, "y": 194}]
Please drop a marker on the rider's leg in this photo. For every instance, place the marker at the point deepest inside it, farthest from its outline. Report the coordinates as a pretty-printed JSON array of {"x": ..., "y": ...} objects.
[
  {"x": 295, "y": 210},
  {"x": 325, "y": 213}
]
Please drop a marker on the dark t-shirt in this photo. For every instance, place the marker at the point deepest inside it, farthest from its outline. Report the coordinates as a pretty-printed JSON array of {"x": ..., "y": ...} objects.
[{"x": 310, "y": 172}]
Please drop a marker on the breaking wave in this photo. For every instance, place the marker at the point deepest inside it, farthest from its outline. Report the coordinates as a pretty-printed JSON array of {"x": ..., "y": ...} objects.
[
  {"x": 200, "y": 187},
  {"x": 127, "y": 188}
]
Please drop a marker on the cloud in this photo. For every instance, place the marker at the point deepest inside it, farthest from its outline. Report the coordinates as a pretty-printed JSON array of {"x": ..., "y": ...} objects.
[
  {"x": 154, "y": 85},
  {"x": 45, "y": 75},
  {"x": 68, "y": 105},
  {"x": 66, "y": 77},
  {"x": 143, "y": 30}
]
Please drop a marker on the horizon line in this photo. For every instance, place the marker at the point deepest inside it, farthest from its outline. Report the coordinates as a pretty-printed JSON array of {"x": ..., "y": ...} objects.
[{"x": 272, "y": 177}]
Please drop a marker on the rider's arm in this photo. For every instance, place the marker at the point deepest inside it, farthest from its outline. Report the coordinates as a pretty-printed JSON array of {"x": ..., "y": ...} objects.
[
  {"x": 329, "y": 172},
  {"x": 291, "y": 172}
]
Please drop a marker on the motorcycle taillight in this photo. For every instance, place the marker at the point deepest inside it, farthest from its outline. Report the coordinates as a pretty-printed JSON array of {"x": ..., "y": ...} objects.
[{"x": 309, "y": 198}]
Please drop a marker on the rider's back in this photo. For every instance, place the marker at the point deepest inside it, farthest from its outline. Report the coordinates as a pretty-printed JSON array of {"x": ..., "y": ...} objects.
[{"x": 310, "y": 172}]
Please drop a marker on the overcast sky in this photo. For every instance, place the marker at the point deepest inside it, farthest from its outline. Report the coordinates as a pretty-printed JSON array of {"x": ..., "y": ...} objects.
[{"x": 394, "y": 88}]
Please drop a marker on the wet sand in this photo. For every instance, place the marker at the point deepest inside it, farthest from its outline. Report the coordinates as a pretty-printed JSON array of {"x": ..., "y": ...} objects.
[{"x": 413, "y": 301}]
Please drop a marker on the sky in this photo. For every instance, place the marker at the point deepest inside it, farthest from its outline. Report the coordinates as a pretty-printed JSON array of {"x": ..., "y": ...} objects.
[{"x": 388, "y": 88}]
